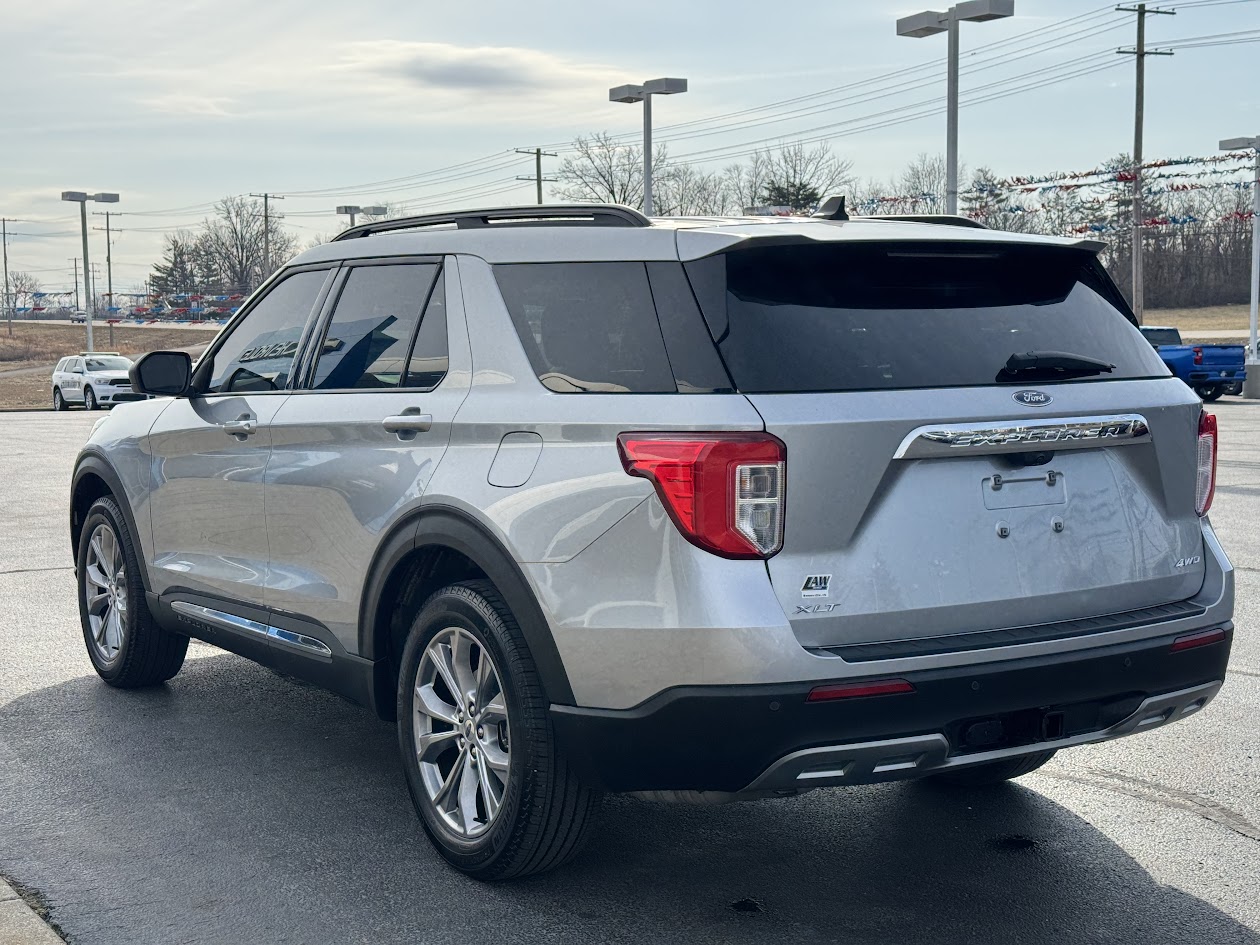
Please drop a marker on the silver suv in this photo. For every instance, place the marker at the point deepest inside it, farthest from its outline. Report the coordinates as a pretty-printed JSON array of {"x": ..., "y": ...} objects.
[{"x": 701, "y": 509}]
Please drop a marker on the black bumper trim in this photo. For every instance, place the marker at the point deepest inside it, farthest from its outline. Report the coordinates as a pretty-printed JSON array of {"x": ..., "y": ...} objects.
[
  {"x": 722, "y": 738},
  {"x": 1038, "y": 633}
]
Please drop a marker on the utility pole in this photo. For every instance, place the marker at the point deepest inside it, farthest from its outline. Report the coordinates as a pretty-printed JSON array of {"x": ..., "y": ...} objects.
[
  {"x": 538, "y": 178},
  {"x": 109, "y": 257},
  {"x": 4, "y": 237},
  {"x": 75, "y": 260},
  {"x": 1139, "y": 52},
  {"x": 266, "y": 199}
]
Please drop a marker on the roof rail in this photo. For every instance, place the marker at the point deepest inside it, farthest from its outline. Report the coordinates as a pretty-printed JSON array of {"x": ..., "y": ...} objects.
[
  {"x": 574, "y": 214},
  {"x": 941, "y": 219}
]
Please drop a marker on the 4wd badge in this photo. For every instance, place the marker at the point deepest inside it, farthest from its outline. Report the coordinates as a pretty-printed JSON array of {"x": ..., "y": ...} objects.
[{"x": 816, "y": 585}]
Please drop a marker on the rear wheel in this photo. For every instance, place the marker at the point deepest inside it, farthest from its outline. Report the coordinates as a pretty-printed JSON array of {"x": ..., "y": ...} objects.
[
  {"x": 125, "y": 644},
  {"x": 993, "y": 772},
  {"x": 1209, "y": 392},
  {"x": 89, "y": 399},
  {"x": 59, "y": 402},
  {"x": 493, "y": 793}
]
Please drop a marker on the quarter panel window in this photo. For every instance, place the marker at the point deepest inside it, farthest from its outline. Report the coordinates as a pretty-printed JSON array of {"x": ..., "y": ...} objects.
[
  {"x": 427, "y": 364},
  {"x": 258, "y": 354},
  {"x": 372, "y": 326},
  {"x": 588, "y": 327}
]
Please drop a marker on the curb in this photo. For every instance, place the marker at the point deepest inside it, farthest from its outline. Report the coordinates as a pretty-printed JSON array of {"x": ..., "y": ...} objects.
[{"x": 20, "y": 924}]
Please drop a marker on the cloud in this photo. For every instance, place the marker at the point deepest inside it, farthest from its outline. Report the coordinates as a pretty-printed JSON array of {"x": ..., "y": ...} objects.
[
  {"x": 450, "y": 68},
  {"x": 182, "y": 103}
]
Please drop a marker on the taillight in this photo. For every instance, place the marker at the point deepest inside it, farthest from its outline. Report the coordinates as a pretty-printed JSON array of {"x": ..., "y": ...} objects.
[
  {"x": 724, "y": 491},
  {"x": 1198, "y": 355},
  {"x": 1205, "y": 485}
]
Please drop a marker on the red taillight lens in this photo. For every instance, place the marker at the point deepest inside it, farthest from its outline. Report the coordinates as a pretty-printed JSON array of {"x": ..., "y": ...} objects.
[
  {"x": 1198, "y": 355},
  {"x": 1202, "y": 638},
  {"x": 724, "y": 491},
  {"x": 878, "y": 687},
  {"x": 1205, "y": 486}
]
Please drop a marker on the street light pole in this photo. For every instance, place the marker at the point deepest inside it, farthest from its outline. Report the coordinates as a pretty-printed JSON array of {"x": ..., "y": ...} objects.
[
  {"x": 1251, "y": 387},
  {"x": 353, "y": 211},
  {"x": 81, "y": 198},
  {"x": 643, "y": 93},
  {"x": 930, "y": 23},
  {"x": 8, "y": 306}
]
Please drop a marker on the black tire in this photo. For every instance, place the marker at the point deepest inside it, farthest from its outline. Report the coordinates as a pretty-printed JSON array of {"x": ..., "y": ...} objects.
[
  {"x": 993, "y": 772},
  {"x": 1209, "y": 394},
  {"x": 546, "y": 812},
  {"x": 146, "y": 654},
  {"x": 59, "y": 402},
  {"x": 89, "y": 399}
]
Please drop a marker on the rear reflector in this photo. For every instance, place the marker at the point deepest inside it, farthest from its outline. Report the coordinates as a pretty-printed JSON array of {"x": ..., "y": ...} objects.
[
  {"x": 1205, "y": 486},
  {"x": 1202, "y": 638},
  {"x": 879, "y": 687}
]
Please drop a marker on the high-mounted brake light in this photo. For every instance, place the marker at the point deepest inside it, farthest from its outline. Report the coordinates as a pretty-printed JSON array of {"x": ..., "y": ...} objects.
[
  {"x": 878, "y": 687},
  {"x": 724, "y": 491},
  {"x": 1205, "y": 486},
  {"x": 1198, "y": 355}
]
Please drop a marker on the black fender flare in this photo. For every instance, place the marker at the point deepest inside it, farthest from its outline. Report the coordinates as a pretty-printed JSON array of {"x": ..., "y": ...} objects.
[
  {"x": 91, "y": 462},
  {"x": 455, "y": 529}
]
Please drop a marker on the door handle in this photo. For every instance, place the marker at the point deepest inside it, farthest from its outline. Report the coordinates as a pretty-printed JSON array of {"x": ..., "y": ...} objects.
[
  {"x": 242, "y": 427},
  {"x": 410, "y": 420}
]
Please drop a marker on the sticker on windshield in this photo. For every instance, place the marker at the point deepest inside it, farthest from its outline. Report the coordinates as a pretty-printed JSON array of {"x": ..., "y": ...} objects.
[{"x": 816, "y": 585}]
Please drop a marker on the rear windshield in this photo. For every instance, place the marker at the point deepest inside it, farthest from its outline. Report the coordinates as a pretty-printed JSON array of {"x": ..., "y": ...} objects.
[
  {"x": 1162, "y": 336},
  {"x": 881, "y": 316}
]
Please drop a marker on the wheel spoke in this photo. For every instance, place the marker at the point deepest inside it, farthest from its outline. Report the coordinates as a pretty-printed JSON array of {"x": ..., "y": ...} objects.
[
  {"x": 98, "y": 604},
  {"x": 113, "y": 630},
  {"x": 109, "y": 561},
  {"x": 489, "y": 798},
  {"x": 101, "y": 624},
  {"x": 497, "y": 760},
  {"x": 468, "y": 796},
  {"x": 95, "y": 575},
  {"x": 452, "y": 779},
  {"x": 432, "y": 744},
  {"x": 487, "y": 681},
  {"x": 434, "y": 706},
  {"x": 461, "y": 662},
  {"x": 98, "y": 554},
  {"x": 494, "y": 711},
  {"x": 440, "y": 653}
]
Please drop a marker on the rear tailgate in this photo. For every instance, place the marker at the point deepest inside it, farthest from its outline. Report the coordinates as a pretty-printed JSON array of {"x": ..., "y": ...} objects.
[
  {"x": 928, "y": 491},
  {"x": 1217, "y": 362}
]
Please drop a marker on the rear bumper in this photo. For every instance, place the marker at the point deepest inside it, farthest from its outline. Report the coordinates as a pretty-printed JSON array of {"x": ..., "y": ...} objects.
[{"x": 768, "y": 738}]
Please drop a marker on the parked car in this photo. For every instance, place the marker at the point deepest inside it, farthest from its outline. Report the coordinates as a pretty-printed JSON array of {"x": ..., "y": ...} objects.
[
  {"x": 78, "y": 317},
  {"x": 94, "y": 380},
  {"x": 708, "y": 509},
  {"x": 1211, "y": 370}
]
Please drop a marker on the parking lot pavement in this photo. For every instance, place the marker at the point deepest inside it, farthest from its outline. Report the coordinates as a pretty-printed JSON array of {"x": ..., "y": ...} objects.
[{"x": 234, "y": 805}]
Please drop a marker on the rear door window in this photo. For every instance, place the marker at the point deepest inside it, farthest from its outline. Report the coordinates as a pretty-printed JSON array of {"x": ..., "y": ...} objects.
[
  {"x": 882, "y": 316},
  {"x": 588, "y": 327},
  {"x": 368, "y": 339}
]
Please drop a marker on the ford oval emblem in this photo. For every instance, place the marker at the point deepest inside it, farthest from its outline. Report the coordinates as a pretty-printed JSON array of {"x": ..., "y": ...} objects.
[{"x": 1033, "y": 398}]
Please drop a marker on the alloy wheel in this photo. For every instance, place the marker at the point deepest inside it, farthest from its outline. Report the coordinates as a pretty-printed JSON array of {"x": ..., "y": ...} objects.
[
  {"x": 105, "y": 586},
  {"x": 461, "y": 732}
]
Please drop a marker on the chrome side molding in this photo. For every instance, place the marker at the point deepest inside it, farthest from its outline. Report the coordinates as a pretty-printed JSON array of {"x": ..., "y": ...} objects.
[
  {"x": 1023, "y": 436},
  {"x": 298, "y": 641}
]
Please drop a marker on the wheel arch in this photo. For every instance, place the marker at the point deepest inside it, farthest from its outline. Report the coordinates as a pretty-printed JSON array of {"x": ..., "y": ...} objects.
[
  {"x": 436, "y": 546},
  {"x": 94, "y": 477}
]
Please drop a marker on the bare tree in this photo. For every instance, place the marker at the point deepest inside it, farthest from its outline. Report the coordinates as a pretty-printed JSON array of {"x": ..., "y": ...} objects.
[
  {"x": 792, "y": 176},
  {"x": 22, "y": 285},
  {"x": 685, "y": 191},
  {"x": 180, "y": 267},
  {"x": 233, "y": 243},
  {"x": 605, "y": 170}
]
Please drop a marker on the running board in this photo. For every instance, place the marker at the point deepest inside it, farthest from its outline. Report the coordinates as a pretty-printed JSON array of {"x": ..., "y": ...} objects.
[{"x": 298, "y": 641}]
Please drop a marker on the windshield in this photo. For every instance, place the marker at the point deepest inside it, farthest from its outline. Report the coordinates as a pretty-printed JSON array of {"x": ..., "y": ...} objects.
[
  {"x": 108, "y": 364},
  {"x": 882, "y": 316}
]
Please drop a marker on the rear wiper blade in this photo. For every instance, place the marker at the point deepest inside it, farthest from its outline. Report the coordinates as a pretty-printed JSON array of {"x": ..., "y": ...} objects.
[{"x": 1054, "y": 362}]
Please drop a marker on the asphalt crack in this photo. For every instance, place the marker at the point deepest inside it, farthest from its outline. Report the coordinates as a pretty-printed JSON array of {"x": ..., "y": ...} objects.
[
  {"x": 36, "y": 570},
  {"x": 1144, "y": 790}
]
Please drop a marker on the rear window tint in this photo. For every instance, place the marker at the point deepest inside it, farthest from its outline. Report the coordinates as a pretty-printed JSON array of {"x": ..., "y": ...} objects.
[
  {"x": 1162, "y": 336},
  {"x": 880, "y": 316},
  {"x": 588, "y": 327}
]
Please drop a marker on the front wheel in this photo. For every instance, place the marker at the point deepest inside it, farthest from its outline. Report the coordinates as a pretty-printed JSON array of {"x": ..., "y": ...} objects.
[
  {"x": 125, "y": 644},
  {"x": 1209, "y": 393},
  {"x": 59, "y": 402},
  {"x": 89, "y": 399},
  {"x": 493, "y": 792},
  {"x": 993, "y": 772}
]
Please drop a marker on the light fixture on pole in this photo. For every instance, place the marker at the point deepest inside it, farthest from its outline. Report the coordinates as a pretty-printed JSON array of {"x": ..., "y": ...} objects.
[
  {"x": 928, "y": 24},
  {"x": 1251, "y": 386},
  {"x": 77, "y": 196},
  {"x": 354, "y": 211},
  {"x": 643, "y": 93}
]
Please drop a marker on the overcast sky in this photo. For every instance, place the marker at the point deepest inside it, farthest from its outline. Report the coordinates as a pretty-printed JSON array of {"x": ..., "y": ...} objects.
[{"x": 175, "y": 104}]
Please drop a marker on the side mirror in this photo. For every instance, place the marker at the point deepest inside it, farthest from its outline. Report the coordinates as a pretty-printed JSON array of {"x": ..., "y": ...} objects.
[{"x": 162, "y": 374}]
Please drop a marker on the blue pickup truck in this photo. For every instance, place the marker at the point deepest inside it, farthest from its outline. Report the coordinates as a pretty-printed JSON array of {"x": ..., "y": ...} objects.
[{"x": 1211, "y": 370}]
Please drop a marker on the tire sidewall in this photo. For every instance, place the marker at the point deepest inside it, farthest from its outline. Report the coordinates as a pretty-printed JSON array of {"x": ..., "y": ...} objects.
[
  {"x": 104, "y": 511},
  {"x": 444, "y": 610},
  {"x": 59, "y": 402},
  {"x": 89, "y": 399}
]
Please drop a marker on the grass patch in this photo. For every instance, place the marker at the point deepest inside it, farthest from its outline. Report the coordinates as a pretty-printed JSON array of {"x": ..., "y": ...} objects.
[{"x": 35, "y": 343}]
